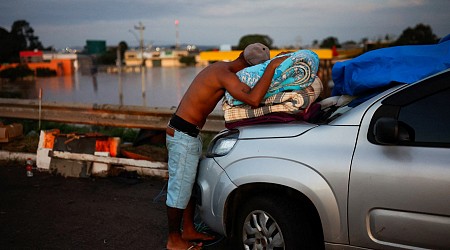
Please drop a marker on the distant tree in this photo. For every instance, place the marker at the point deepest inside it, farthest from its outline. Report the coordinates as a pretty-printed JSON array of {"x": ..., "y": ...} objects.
[
  {"x": 329, "y": 42},
  {"x": 19, "y": 71},
  {"x": 421, "y": 34},
  {"x": 109, "y": 57},
  {"x": 45, "y": 72},
  {"x": 123, "y": 46},
  {"x": 8, "y": 47},
  {"x": 20, "y": 38},
  {"x": 24, "y": 34},
  {"x": 315, "y": 43},
  {"x": 255, "y": 38},
  {"x": 188, "y": 60}
]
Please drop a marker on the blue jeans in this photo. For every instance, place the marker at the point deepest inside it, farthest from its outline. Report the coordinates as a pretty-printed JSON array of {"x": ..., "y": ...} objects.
[{"x": 184, "y": 154}]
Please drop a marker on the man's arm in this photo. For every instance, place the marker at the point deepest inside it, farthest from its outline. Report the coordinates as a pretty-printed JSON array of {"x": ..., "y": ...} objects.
[{"x": 253, "y": 96}]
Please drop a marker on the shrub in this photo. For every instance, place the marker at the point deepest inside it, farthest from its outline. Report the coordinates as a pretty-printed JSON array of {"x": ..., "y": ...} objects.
[
  {"x": 188, "y": 60},
  {"x": 43, "y": 72},
  {"x": 17, "y": 72}
]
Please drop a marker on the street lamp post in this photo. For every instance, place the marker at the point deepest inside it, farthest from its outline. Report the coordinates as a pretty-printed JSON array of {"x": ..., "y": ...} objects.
[{"x": 141, "y": 29}]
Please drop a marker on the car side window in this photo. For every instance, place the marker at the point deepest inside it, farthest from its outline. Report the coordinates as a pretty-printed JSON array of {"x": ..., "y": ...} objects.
[{"x": 429, "y": 117}]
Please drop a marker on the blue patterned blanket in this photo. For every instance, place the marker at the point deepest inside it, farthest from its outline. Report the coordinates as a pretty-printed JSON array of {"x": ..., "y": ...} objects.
[
  {"x": 295, "y": 73},
  {"x": 286, "y": 102},
  {"x": 379, "y": 68}
]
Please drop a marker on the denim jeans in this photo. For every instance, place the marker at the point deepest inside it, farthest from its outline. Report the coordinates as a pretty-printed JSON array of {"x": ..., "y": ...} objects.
[{"x": 184, "y": 154}]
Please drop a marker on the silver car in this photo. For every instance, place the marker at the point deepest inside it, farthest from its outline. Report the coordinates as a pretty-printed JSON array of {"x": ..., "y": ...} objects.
[{"x": 374, "y": 175}]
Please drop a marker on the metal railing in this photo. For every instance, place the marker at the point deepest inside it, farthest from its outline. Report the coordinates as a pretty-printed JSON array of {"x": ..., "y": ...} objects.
[{"x": 98, "y": 114}]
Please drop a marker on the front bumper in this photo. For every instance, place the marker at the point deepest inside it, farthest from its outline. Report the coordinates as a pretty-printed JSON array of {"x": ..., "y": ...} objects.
[{"x": 212, "y": 189}]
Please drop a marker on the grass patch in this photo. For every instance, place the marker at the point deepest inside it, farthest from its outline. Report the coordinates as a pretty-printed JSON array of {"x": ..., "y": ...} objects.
[{"x": 28, "y": 143}]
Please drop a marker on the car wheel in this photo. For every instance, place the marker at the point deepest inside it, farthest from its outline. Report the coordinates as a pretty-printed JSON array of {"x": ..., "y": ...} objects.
[{"x": 270, "y": 222}]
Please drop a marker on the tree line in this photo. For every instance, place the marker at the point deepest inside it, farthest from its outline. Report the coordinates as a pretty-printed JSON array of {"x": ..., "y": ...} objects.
[
  {"x": 421, "y": 34},
  {"x": 22, "y": 37}
]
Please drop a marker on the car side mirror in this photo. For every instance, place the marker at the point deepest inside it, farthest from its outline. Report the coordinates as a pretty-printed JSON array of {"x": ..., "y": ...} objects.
[{"x": 388, "y": 130}]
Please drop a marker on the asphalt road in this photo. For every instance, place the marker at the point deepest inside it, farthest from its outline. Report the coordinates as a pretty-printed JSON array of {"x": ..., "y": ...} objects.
[{"x": 52, "y": 212}]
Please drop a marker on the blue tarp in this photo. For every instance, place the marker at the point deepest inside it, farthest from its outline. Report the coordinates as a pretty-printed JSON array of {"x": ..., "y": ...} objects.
[{"x": 378, "y": 68}]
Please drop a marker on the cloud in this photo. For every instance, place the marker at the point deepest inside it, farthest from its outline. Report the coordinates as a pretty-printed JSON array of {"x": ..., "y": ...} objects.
[{"x": 214, "y": 22}]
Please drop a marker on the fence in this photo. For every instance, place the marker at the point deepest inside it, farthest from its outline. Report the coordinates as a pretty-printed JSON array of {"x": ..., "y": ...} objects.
[{"x": 101, "y": 115}]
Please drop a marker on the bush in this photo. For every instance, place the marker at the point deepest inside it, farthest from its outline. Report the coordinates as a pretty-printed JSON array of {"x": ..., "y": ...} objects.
[
  {"x": 126, "y": 134},
  {"x": 17, "y": 72},
  {"x": 188, "y": 60},
  {"x": 43, "y": 72}
]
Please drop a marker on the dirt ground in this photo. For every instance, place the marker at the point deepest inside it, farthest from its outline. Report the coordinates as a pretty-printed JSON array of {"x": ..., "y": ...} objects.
[{"x": 52, "y": 212}]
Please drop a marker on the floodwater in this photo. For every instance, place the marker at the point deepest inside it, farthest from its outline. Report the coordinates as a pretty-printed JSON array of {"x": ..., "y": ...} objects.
[{"x": 154, "y": 87}]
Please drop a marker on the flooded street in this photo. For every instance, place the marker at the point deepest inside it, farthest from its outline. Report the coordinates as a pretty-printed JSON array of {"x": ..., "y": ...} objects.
[{"x": 156, "y": 87}]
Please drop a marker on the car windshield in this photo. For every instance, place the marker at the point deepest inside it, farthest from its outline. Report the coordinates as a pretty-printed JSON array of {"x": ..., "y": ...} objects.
[{"x": 334, "y": 112}]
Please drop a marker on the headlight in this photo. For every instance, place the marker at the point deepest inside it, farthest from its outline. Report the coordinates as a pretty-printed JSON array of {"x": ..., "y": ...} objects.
[{"x": 222, "y": 143}]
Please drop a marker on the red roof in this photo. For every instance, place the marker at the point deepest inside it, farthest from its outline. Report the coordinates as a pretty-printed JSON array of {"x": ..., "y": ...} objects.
[{"x": 30, "y": 53}]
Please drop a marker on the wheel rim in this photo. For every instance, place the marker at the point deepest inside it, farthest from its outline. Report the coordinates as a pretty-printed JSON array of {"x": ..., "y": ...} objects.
[{"x": 261, "y": 231}]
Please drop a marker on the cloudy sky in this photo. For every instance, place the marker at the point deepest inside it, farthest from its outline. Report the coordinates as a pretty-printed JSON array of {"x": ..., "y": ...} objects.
[{"x": 65, "y": 23}]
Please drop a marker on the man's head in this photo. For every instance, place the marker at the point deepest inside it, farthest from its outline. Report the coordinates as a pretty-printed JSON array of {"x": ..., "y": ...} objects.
[{"x": 256, "y": 53}]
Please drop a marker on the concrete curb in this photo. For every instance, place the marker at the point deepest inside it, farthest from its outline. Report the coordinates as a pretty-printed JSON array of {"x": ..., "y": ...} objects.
[
  {"x": 6, "y": 155},
  {"x": 144, "y": 168}
]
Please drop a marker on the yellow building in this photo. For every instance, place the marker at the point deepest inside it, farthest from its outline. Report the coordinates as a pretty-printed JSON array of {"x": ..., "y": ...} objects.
[
  {"x": 171, "y": 58},
  {"x": 213, "y": 56}
]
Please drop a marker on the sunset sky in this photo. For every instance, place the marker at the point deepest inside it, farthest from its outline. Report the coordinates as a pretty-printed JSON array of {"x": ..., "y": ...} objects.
[{"x": 67, "y": 23}]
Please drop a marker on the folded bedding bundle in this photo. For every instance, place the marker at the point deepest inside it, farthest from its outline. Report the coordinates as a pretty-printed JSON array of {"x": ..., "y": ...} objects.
[
  {"x": 295, "y": 73},
  {"x": 288, "y": 102}
]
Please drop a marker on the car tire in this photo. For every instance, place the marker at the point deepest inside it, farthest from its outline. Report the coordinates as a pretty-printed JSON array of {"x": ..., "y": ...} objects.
[{"x": 271, "y": 222}]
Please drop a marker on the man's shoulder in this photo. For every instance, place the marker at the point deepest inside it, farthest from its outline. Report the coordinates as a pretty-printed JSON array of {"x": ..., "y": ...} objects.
[
  {"x": 219, "y": 70},
  {"x": 219, "y": 65}
]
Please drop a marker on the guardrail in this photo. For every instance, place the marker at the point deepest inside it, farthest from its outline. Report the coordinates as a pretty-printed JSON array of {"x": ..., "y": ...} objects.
[{"x": 98, "y": 114}]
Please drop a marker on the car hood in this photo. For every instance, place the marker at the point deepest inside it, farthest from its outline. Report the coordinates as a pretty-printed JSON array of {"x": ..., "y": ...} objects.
[{"x": 275, "y": 130}]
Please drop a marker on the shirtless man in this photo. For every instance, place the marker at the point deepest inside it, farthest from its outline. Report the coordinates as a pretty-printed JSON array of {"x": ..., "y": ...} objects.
[{"x": 184, "y": 143}]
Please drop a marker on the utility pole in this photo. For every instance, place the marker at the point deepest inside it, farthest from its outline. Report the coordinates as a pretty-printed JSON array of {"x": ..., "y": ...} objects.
[
  {"x": 141, "y": 29},
  {"x": 177, "y": 35}
]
